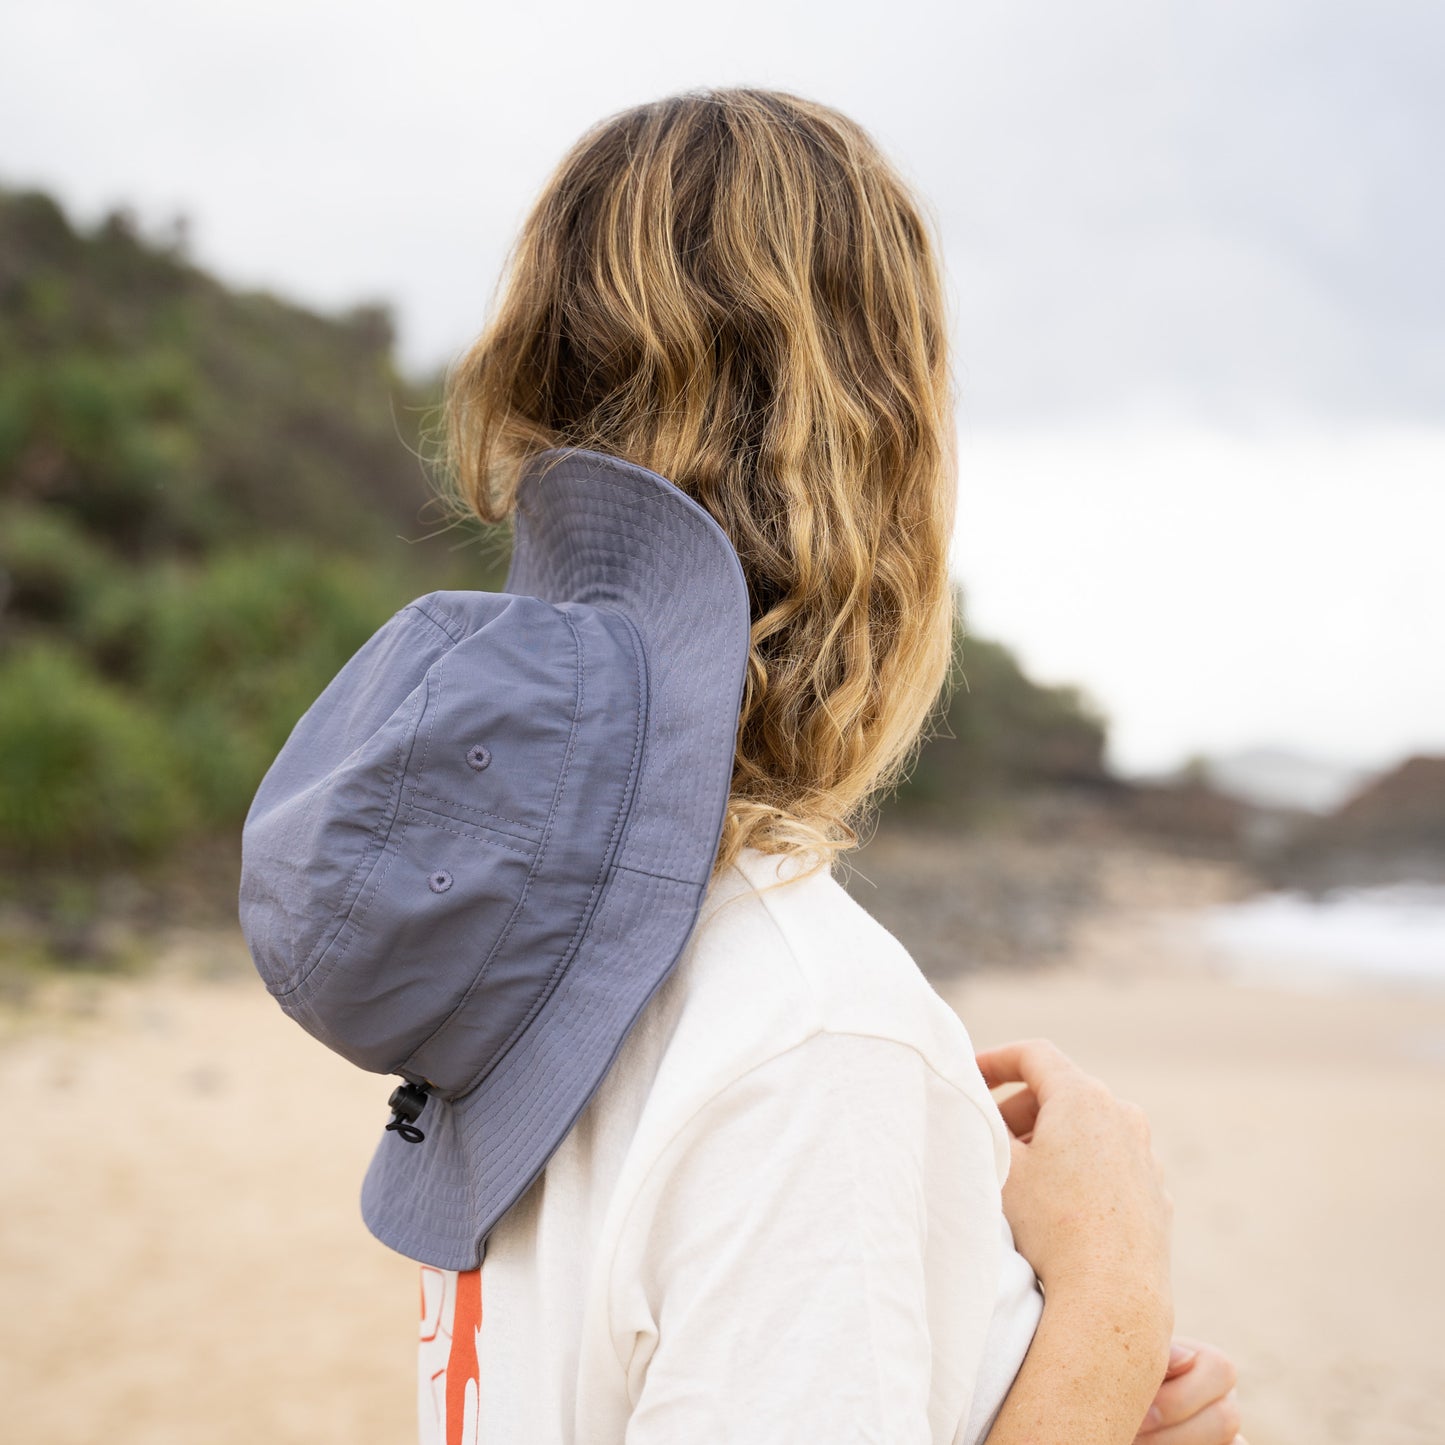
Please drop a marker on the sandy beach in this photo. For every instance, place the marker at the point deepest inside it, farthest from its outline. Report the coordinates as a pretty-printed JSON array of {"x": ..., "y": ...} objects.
[{"x": 185, "y": 1260}]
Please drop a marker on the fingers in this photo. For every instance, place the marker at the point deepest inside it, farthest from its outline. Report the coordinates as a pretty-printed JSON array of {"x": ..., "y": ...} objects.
[
  {"x": 1035, "y": 1062},
  {"x": 1216, "y": 1424},
  {"x": 1020, "y": 1112},
  {"x": 1182, "y": 1354},
  {"x": 1196, "y": 1404},
  {"x": 1209, "y": 1377}
]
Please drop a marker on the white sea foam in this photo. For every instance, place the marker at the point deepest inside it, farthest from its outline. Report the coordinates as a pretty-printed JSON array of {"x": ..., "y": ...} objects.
[{"x": 1389, "y": 935}]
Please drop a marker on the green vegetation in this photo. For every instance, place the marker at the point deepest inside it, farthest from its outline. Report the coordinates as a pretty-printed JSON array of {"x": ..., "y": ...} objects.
[
  {"x": 1002, "y": 734},
  {"x": 208, "y": 500}
]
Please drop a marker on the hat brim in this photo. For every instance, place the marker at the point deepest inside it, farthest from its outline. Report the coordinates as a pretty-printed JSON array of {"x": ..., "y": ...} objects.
[
  {"x": 596, "y": 531},
  {"x": 436, "y": 1201}
]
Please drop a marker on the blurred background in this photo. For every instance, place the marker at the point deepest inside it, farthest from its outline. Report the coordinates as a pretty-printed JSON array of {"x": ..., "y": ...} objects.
[{"x": 1185, "y": 813}]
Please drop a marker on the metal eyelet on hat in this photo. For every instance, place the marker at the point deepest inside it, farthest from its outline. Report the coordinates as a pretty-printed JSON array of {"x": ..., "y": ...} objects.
[
  {"x": 478, "y": 757},
  {"x": 439, "y": 881}
]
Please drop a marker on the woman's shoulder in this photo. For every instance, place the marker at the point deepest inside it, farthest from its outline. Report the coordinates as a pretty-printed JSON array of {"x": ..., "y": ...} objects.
[
  {"x": 786, "y": 986},
  {"x": 779, "y": 955}
]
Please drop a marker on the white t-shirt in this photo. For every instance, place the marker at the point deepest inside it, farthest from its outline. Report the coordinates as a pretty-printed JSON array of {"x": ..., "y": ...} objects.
[{"x": 778, "y": 1220}]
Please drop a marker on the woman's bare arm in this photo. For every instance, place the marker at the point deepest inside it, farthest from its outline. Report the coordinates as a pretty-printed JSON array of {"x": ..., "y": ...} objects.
[
  {"x": 1089, "y": 1376},
  {"x": 1086, "y": 1202}
]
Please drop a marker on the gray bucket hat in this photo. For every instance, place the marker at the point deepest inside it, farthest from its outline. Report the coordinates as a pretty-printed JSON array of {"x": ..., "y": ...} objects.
[{"x": 485, "y": 844}]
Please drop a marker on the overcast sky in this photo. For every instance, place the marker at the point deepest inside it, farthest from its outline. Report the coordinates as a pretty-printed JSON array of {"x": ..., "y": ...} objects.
[{"x": 1194, "y": 251}]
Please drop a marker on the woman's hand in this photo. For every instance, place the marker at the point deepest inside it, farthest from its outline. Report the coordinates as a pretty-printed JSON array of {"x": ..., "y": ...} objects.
[
  {"x": 1085, "y": 1195},
  {"x": 1088, "y": 1208},
  {"x": 1196, "y": 1404}
]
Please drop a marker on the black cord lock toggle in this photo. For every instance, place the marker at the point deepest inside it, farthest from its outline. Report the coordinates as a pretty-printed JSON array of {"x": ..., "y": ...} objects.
[{"x": 406, "y": 1103}]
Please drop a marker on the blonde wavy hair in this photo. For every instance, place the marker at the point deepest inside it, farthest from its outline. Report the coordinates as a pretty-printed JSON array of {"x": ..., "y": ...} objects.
[{"x": 735, "y": 289}]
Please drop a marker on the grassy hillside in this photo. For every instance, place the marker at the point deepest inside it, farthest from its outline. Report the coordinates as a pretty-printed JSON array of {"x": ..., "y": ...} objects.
[
  {"x": 159, "y": 412},
  {"x": 208, "y": 500}
]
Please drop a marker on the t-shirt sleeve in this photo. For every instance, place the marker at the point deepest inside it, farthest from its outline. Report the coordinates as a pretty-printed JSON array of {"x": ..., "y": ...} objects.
[{"x": 814, "y": 1257}]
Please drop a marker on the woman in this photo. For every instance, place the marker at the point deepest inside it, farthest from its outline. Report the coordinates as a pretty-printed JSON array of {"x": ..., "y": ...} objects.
[{"x": 734, "y": 290}]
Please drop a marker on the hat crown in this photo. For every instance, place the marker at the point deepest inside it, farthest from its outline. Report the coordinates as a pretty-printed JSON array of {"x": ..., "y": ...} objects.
[{"x": 427, "y": 846}]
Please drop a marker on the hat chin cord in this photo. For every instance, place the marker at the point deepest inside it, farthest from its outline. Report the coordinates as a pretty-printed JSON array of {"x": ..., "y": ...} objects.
[{"x": 406, "y": 1103}]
